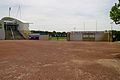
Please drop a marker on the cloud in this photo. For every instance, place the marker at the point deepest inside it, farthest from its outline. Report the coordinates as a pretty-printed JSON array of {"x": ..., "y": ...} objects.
[{"x": 62, "y": 14}]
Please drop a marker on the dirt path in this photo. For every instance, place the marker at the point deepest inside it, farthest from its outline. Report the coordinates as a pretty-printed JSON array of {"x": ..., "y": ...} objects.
[{"x": 59, "y": 60}]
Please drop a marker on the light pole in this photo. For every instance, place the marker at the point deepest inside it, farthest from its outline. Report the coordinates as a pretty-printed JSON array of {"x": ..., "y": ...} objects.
[
  {"x": 111, "y": 26},
  {"x": 111, "y": 31}
]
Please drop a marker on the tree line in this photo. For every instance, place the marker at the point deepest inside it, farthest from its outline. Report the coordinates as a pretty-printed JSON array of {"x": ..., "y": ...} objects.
[{"x": 52, "y": 34}]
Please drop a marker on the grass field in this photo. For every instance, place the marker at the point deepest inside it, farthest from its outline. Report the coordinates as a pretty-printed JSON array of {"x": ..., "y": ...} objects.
[
  {"x": 59, "y": 60},
  {"x": 59, "y": 38}
]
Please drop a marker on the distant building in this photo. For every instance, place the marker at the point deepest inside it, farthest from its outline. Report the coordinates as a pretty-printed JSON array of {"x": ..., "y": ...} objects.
[
  {"x": 89, "y": 36},
  {"x": 11, "y": 28}
]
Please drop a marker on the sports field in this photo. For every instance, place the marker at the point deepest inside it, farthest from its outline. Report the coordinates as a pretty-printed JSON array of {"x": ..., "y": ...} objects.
[{"x": 59, "y": 60}]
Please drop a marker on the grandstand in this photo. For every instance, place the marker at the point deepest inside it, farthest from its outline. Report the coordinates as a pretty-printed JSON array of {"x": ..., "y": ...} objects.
[{"x": 13, "y": 29}]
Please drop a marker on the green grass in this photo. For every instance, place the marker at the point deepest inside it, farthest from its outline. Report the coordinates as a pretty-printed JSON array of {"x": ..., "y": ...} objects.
[
  {"x": 118, "y": 42},
  {"x": 58, "y": 38}
]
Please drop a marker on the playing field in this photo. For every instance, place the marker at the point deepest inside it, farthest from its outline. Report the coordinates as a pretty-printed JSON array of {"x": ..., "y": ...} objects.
[{"x": 59, "y": 60}]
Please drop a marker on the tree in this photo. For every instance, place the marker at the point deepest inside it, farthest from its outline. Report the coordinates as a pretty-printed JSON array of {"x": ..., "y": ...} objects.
[
  {"x": 115, "y": 13},
  {"x": 64, "y": 34},
  {"x": 54, "y": 34}
]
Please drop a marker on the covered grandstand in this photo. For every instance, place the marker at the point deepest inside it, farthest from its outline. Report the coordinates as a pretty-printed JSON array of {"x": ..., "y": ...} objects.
[{"x": 13, "y": 29}]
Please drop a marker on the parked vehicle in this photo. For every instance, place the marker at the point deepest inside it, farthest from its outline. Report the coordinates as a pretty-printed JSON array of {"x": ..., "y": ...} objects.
[{"x": 34, "y": 36}]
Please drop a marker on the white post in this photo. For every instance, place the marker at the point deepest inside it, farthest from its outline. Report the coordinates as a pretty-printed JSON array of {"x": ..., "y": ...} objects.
[
  {"x": 96, "y": 25},
  {"x": 111, "y": 30},
  {"x": 84, "y": 26},
  {"x": 74, "y": 28}
]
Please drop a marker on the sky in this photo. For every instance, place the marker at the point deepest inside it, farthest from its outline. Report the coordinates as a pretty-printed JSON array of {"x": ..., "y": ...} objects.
[{"x": 61, "y": 15}]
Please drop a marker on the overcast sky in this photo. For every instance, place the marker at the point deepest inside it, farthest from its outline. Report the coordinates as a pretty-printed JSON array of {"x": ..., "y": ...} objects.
[{"x": 61, "y": 15}]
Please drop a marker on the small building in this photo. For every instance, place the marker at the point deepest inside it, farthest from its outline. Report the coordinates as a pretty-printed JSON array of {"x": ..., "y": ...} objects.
[
  {"x": 13, "y": 29},
  {"x": 89, "y": 36},
  {"x": 44, "y": 37}
]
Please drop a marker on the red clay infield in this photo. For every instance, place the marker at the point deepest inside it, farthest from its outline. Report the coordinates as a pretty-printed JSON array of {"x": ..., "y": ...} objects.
[{"x": 59, "y": 60}]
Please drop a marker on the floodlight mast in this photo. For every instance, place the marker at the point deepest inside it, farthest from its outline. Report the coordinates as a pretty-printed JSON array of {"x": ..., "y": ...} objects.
[
  {"x": 19, "y": 12},
  {"x": 9, "y": 11}
]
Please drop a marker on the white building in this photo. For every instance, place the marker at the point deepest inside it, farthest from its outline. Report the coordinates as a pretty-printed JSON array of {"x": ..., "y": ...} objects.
[{"x": 89, "y": 36}]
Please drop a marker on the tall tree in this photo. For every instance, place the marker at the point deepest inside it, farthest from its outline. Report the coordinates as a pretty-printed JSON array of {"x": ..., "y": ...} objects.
[{"x": 115, "y": 13}]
